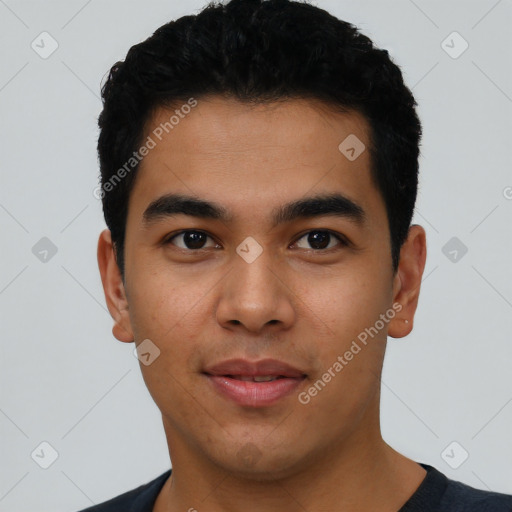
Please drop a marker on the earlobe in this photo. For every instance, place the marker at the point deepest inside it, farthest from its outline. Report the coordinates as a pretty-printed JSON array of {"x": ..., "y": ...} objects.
[
  {"x": 114, "y": 289},
  {"x": 407, "y": 281}
]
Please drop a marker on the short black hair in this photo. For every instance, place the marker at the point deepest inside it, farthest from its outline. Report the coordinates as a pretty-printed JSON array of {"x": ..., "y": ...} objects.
[{"x": 261, "y": 51}]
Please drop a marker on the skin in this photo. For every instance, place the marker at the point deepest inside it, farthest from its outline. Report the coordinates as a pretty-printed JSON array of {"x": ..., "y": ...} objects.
[{"x": 294, "y": 303}]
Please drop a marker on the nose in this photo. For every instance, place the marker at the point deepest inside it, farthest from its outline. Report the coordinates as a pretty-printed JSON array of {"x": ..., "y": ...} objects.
[{"x": 256, "y": 296}]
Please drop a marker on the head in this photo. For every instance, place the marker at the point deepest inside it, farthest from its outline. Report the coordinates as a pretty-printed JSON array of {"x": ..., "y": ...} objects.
[
  {"x": 243, "y": 111},
  {"x": 261, "y": 52}
]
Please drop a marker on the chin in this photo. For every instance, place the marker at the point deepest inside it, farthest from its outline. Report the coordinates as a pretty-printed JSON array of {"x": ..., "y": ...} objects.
[{"x": 251, "y": 463}]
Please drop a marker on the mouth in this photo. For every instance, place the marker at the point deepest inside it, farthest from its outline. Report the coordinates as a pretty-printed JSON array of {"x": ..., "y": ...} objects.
[
  {"x": 254, "y": 384},
  {"x": 255, "y": 391},
  {"x": 256, "y": 378}
]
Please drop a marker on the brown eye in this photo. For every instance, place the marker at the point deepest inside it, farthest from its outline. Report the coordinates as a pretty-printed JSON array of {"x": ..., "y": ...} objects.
[
  {"x": 192, "y": 240},
  {"x": 320, "y": 239}
]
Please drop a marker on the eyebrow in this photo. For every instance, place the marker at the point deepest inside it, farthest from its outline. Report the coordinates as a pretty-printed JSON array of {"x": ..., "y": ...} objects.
[{"x": 336, "y": 205}]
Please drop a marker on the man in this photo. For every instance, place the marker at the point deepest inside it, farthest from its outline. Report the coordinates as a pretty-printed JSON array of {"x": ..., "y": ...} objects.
[{"x": 259, "y": 170}]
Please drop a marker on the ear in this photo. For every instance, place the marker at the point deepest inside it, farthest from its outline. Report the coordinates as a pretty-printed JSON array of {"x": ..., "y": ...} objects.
[
  {"x": 407, "y": 281},
  {"x": 113, "y": 287}
]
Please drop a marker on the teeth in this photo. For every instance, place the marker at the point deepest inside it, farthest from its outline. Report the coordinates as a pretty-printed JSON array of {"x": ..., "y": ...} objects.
[{"x": 262, "y": 378}]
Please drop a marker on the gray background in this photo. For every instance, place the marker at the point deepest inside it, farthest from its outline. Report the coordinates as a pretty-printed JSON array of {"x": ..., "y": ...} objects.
[{"x": 66, "y": 380}]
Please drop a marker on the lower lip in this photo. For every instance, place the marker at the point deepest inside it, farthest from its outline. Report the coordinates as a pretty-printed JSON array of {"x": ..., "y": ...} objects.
[{"x": 254, "y": 394}]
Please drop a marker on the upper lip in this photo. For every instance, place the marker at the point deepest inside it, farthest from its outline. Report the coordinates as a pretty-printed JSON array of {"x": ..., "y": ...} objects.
[{"x": 254, "y": 368}]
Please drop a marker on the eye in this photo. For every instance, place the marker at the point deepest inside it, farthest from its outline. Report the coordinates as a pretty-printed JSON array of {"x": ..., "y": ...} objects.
[
  {"x": 319, "y": 239},
  {"x": 191, "y": 240},
  {"x": 195, "y": 240}
]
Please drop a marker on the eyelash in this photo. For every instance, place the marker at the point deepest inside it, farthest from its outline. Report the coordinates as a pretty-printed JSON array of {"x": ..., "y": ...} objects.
[{"x": 339, "y": 237}]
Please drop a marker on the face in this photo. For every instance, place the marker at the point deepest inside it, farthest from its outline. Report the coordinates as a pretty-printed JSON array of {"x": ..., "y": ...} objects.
[{"x": 247, "y": 278}]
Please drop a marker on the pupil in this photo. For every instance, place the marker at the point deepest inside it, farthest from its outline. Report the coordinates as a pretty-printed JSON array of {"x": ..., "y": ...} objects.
[
  {"x": 194, "y": 240},
  {"x": 318, "y": 239}
]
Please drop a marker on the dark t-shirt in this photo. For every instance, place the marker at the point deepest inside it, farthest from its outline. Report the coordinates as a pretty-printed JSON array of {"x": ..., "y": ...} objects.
[{"x": 436, "y": 493}]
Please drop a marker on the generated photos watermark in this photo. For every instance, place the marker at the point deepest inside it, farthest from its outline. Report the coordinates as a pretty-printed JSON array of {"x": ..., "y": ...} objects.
[
  {"x": 355, "y": 348},
  {"x": 158, "y": 133}
]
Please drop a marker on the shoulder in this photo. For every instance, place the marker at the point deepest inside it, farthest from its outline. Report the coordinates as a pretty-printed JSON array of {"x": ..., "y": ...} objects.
[
  {"x": 459, "y": 497},
  {"x": 438, "y": 493},
  {"x": 140, "y": 499}
]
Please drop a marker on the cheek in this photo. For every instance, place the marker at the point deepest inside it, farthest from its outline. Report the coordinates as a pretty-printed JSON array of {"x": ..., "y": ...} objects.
[
  {"x": 338, "y": 407},
  {"x": 164, "y": 304},
  {"x": 172, "y": 317},
  {"x": 350, "y": 306},
  {"x": 345, "y": 302}
]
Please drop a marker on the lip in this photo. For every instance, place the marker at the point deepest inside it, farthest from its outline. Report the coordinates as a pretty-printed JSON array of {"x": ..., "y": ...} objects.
[
  {"x": 249, "y": 393},
  {"x": 254, "y": 369}
]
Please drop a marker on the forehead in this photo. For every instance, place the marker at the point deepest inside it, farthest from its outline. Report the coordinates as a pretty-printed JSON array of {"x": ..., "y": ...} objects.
[
  {"x": 250, "y": 158},
  {"x": 217, "y": 125}
]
